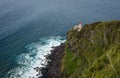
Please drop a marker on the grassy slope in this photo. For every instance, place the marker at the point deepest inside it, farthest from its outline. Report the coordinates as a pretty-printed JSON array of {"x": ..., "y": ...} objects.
[{"x": 94, "y": 52}]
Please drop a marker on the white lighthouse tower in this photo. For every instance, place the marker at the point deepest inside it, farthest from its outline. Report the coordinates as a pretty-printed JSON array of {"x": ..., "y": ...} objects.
[{"x": 78, "y": 27}]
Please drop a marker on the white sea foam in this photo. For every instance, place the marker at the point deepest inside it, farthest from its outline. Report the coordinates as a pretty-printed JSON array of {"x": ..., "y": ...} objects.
[{"x": 34, "y": 57}]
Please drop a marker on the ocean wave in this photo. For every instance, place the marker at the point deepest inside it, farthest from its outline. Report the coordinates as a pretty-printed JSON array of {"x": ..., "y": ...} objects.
[{"x": 35, "y": 57}]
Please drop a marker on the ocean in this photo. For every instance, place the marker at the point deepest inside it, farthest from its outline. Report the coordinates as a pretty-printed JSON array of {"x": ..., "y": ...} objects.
[{"x": 29, "y": 28}]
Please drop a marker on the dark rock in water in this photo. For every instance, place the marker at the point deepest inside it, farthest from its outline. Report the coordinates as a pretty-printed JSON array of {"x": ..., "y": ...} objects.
[
  {"x": 38, "y": 69},
  {"x": 52, "y": 69},
  {"x": 53, "y": 47}
]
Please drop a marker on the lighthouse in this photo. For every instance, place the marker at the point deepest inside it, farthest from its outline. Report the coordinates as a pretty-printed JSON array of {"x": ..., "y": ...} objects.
[{"x": 78, "y": 27}]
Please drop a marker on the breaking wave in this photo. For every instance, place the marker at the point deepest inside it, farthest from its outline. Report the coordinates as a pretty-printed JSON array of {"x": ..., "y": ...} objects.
[{"x": 35, "y": 57}]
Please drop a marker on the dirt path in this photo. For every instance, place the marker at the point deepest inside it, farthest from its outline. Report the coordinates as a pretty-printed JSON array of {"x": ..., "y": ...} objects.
[{"x": 109, "y": 58}]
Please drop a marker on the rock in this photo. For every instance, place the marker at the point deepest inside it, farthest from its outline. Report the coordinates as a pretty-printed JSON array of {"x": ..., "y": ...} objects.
[{"x": 52, "y": 69}]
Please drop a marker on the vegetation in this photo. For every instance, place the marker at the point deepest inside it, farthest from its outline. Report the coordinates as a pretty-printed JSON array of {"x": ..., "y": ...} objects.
[{"x": 94, "y": 52}]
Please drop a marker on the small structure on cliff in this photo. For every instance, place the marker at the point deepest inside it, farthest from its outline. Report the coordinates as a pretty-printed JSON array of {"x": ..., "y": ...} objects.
[{"x": 78, "y": 27}]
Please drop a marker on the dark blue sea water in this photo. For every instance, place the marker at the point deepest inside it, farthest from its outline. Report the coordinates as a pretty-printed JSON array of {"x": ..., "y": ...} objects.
[{"x": 29, "y": 28}]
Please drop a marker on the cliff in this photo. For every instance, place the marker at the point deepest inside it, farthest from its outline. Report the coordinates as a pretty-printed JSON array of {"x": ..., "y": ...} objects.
[{"x": 93, "y": 52}]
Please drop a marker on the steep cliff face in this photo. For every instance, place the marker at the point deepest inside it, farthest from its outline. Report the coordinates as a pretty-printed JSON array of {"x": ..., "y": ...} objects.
[{"x": 94, "y": 52}]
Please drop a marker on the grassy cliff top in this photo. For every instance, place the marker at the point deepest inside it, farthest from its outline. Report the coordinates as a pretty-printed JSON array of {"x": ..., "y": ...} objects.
[{"x": 94, "y": 52}]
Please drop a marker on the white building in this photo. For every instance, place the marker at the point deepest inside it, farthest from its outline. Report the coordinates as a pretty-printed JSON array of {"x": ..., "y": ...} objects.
[{"x": 78, "y": 27}]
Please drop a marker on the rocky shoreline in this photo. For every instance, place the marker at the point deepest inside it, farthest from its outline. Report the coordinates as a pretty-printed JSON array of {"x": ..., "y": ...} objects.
[{"x": 52, "y": 69}]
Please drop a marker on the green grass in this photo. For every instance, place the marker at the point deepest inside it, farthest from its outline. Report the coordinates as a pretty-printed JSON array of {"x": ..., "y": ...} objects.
[
  {"x": 69, "y": 63},
  {"x": 94, "y": 52}
]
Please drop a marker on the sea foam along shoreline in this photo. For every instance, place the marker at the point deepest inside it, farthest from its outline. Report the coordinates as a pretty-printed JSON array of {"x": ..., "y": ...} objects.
[
  {"x": 52, "y": 69},
  {"x": 35, "y": 57}
]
